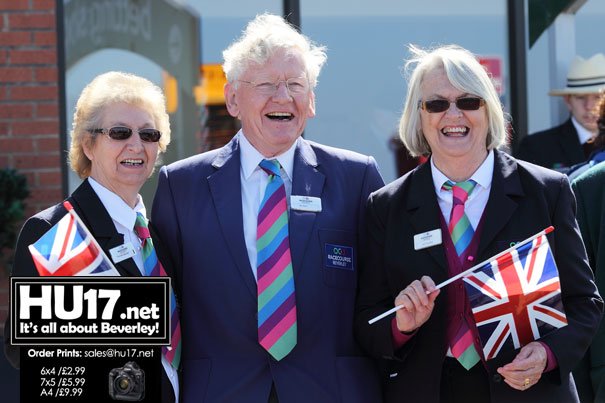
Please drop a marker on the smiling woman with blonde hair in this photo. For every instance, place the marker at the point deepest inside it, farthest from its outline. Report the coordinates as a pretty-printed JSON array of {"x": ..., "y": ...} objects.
[{"x": 120, "y": 127}]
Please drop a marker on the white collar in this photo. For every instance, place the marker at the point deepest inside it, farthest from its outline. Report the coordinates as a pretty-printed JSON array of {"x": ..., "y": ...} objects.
[
  {"x": 250, "y": 157},
  {"x": 583, "y": 134},
  {"x": 483, "y": 175},
  {"x": 117, "y": 208}
]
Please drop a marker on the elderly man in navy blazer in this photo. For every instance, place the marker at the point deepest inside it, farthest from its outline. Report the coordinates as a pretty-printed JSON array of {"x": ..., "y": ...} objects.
[{"x": 264, "y": 235}]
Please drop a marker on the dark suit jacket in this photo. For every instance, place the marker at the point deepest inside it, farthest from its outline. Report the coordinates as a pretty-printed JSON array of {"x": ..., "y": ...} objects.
[
  {"x": 92, "y": 212},
  {"x": 198, "y": 210},
  {"x": 554, "y": 148},
  {"x": 589, "y": 189},
  {"x": 523, "y": 200}
]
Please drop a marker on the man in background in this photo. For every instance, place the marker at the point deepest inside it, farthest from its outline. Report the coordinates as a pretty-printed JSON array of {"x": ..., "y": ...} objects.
[{"x": 573, "y": 141}]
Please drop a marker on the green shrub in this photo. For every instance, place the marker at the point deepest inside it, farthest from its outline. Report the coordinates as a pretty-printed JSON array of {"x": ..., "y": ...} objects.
[{"x": 13, "y": 192}]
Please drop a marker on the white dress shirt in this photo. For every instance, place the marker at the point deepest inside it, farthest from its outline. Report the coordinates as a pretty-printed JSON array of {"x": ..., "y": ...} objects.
[
  {"x": 477, "y": 200},
  {"x": 124, "y": 218},
  {"x": 253, "y": 182},
  {"x": 583, "y": 134}
]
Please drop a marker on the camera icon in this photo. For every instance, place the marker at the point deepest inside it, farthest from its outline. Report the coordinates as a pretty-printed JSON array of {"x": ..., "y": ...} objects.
[{"x": 127, "y": 383}]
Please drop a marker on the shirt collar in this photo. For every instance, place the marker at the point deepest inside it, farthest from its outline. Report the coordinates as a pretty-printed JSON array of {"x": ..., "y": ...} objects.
[
  {"x": 117, "y": 208},
  {"x": 483, "y": 175},
  {"x": 583, "y": 134},
  {"x": 250, "y": 157}
]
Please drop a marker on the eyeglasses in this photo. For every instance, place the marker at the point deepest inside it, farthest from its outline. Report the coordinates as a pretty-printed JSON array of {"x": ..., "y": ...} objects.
[
  {"x": 295, "y": 86},
  {"x": 442, "y": 105},
  {"x": 124, "y": 133}
]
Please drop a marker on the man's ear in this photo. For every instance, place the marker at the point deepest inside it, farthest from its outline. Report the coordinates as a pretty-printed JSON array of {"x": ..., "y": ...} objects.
[
  {"x": 567, "y": 100},
  {"x": 231, "y": 99},
  {"x": 311, "y": 111}
]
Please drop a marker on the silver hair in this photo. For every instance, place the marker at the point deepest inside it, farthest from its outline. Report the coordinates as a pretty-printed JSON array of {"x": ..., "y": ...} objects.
[{"x": 265, "y": 35}]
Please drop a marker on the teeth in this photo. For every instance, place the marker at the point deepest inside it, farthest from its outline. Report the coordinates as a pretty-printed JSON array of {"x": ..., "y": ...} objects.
[
  {"x": 454, "y": 130},
  {"x": 132, "y": 161},
  {"x": 280, "y": 114}
]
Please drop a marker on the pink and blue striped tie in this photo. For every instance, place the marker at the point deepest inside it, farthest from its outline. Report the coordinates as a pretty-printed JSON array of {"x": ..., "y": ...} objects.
[
  {"x": 460, "y": 227},
  {"x": 275, "y": 280},
  {"x": 153, "y": 267},
  {"x": 461, "y": 232}
]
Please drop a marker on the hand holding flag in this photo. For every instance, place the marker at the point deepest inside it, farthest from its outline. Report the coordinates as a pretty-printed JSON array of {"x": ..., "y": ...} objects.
[
  {"x": 515, "y": 295},
  {"x": 516, "y": 298},
  {"x": 466, "y": 272}
]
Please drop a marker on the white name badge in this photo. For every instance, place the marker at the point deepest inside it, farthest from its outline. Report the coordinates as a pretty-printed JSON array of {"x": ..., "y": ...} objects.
[
  {"x": 305, "y": 203},
  {"x": 122, "y": 252},
  {"x": 427, "y": 239}
]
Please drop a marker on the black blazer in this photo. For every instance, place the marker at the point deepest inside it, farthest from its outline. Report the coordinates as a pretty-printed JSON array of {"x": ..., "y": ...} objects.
[
  {"x": 94, "y": 215},
  {"x": 554, "y": 148},
  {"x": 523, "y": 200}
]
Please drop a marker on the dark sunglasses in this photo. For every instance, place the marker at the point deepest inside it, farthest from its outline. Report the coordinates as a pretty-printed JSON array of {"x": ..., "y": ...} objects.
[
  {"x": 442, "y": 105},
  {"x": 124, "y": 133}
]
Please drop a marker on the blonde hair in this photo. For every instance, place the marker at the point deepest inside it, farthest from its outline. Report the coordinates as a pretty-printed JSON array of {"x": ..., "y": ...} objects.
[
  {"x": 103, "y": 91},
  {"x": 466, "y": 74}
]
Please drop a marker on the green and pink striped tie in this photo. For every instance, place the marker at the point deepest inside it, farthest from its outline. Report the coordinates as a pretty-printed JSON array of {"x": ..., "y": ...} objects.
[
  {"x": 461, "y": 232},
  {"x": 275, "y": 280},
  {"x": 153, "y": 267}
]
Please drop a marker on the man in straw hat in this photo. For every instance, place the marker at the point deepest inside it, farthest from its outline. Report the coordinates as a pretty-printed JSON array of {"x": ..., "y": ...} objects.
[{"x": 572, "y": 142}]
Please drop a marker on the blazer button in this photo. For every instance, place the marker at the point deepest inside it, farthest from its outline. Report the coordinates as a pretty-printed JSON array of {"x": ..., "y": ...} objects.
[{"x": 497, "y": 378}]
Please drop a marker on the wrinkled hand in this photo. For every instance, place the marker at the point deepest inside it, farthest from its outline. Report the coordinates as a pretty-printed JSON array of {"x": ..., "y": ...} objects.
[
  {"x": 527, "y": 367},
  {"x": 418, "y": 300}
]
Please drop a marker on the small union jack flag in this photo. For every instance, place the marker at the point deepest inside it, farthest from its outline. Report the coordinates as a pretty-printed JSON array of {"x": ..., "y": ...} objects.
[
  {"x": 516, "y": 298},
  {"x": 68, "y": 249}
]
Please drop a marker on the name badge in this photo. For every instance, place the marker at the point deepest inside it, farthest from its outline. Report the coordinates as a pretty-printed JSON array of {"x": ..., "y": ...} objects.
[
  {"x": 339, "y": 257},
  {"x": 122, "y": 252},
  {"x": 305, "y": 203},
  {"x": 427, "y": 239}
]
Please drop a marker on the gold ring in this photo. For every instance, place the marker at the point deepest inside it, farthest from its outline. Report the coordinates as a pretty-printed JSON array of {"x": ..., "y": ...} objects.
[{"x": 526, "y": 383}]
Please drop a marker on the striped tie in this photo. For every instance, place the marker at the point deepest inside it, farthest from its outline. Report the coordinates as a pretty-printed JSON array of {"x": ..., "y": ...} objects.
[
  {"x": 153, "y": 267},
  {"x": 461, "y": 231},
  {"x": 275, "y": 281},
  {"x": 460, "y": 227}
]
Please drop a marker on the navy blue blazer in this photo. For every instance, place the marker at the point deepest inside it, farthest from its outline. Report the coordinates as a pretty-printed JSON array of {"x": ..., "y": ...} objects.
[
  {"x": 198, "y": 212},
  {"x": 556, "y": 148},
  {"x": 524, "y": 199}
]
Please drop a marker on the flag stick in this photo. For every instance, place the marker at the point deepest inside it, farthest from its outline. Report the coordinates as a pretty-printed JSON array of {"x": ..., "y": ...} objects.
[
  {"x": 472, "y": 269},
  {"x": 72, "y": 212}
]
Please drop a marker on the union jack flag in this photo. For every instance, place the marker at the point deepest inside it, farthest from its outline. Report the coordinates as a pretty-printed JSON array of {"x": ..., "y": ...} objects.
[
  {"x": 68, "y": 249},
  {"x": 516, "y": 298}
]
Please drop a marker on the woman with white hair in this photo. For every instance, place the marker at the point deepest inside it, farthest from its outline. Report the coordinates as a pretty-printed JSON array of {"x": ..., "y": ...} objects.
[{"x": 467, "y": 203}]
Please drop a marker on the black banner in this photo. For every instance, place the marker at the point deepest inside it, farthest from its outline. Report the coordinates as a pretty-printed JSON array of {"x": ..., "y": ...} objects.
[{"x": 92, "y": 311}]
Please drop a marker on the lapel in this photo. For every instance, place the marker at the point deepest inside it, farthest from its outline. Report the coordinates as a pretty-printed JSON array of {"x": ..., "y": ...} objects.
[
  {"x": 501, "y": 205},
  {"x": 96, "y": 218},
  {"x": 226, "y": 192},
  {"x": 307, "y": 180},
  {"x": 569, "y": 143},
  {"x": 423, "y": 209}
]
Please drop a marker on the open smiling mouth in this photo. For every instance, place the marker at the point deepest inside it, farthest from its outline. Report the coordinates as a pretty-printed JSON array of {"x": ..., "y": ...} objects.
[
  {"x": 132, "y": 162},
  {"x": 455, "y": 131},
  {"x": 280, "y": 116}
]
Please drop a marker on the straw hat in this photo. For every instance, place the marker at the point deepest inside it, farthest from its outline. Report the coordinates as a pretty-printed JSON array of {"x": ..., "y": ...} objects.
[{"x": 585, "y": 76}]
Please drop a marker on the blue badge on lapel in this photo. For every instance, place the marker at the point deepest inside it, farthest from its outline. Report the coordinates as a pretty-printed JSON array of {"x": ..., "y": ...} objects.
[{"x": 339, "y": 257}]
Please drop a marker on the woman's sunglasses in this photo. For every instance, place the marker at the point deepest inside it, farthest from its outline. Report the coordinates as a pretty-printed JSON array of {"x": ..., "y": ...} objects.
[
  {"x": 124, "y": 133},
  {"x": 442, "y": 105}
]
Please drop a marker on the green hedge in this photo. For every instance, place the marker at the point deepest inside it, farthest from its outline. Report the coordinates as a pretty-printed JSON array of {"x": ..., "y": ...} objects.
[{"x": 13, "y": 192}]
